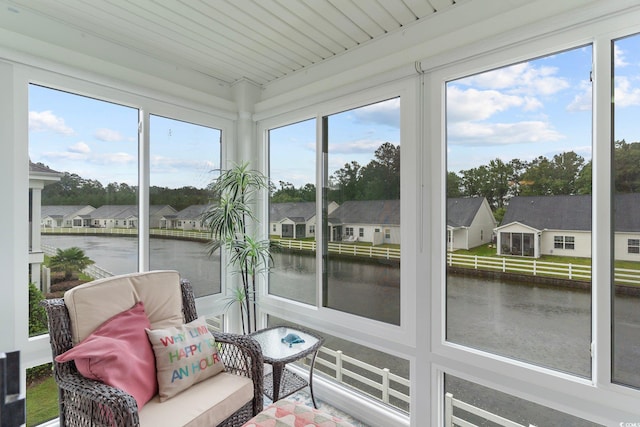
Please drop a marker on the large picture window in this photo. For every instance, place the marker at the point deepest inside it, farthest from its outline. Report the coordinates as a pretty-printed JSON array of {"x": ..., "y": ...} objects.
[
  {"x": 184, "y": 160},
  {"x": 85, "y": 153},
  {"x": 519, "y": 175},
  {"x": 626, "y": 200},
  {"x": 292, "y": 210},
  {"x": 361, "y": 148}
]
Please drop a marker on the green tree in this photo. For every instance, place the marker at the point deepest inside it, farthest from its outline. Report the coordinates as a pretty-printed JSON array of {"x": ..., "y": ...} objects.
[
  {"x": 585, "y": 179},
  {"x": 37, "y": 314},
  {"x": 454, "y": 183},
  {"x": 380, "y": 179},
  {"x": 558, "y": 176},
  {"x": 69, "y": 260},
  {"x": 346, "y": 182},
  {"x": 626, "y": 171}
]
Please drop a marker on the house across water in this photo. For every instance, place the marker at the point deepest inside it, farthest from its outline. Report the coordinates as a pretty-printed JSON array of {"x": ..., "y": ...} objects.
[{"x": 561, "y": 225}]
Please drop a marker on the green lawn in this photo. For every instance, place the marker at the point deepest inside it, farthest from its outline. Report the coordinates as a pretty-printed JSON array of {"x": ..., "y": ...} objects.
[
  {"x": 490, "y": 251},
  {"x": 42, "y": 401}
]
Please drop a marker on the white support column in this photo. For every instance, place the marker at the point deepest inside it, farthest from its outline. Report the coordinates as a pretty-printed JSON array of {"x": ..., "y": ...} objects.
[
  {"x": 243, "y": 148},
  {"x": 246, "y": 95}
]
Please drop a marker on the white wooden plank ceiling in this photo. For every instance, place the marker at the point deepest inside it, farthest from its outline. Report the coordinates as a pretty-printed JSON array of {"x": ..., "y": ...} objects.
[{"x": 259, "y": 40}]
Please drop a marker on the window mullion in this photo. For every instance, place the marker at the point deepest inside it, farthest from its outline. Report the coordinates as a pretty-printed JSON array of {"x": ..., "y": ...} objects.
[
  {"x": 143, "y": 190},
  {"x": 602, "y": 211}
]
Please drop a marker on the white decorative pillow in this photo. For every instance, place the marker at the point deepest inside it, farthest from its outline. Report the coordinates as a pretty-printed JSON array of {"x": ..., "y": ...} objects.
[{"x": 185, "y": 355}]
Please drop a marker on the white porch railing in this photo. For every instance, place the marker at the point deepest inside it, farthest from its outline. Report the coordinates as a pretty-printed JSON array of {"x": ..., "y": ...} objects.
[
  {"x": 451, "y": 420},
  {"x": 381, "y": 379}
]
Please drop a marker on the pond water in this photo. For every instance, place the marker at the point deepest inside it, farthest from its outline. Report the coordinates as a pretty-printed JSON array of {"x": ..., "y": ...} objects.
[{"x": 544, "y": 325}]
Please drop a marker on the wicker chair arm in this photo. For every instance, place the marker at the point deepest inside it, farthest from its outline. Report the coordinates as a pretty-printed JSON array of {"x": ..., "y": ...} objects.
[
  {"x": 242, "y": 356},
  {"x": 99, "y": 401}
]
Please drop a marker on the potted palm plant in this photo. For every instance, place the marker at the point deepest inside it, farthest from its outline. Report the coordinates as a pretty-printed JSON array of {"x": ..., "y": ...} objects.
[{"x": 230, "y": 221}]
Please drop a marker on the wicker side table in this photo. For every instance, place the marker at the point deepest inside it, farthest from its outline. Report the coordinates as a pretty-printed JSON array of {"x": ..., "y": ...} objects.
[{"x": 277, "y": 352}]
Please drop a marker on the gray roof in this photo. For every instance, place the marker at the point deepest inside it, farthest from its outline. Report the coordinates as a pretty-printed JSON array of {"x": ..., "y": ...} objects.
[
  {"x": 570, "y": 212},
  {"x": 550, "y": 212},
  {"x": 190, "y": 212},
  {"x": 125, "y": 211},
  {"x": 115, "y": 211},
  {"x": 626, "y": 216},
  {"x": 461, "y": 211},
  {"x": 367, "y": 212},
  {"x": 56, "y": 211},
  {"x": 296, "y": 211},
  {"x": 40, "y": 168}
]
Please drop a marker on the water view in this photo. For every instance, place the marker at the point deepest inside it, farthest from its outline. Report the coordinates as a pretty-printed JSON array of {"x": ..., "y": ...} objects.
[{"x": 545, "y": 325}]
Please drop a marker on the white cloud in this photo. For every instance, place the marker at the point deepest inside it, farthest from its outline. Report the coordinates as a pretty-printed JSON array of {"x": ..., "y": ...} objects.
[
  {"x": 108, "y": 135},
  {"x": 113, "y": 158},
  {"x": 170, "y": 163},
  {"x": 386, "y": 113},
  {"x": 65, "y": 155},
  {"x": 367, "y": 146},
  {"x": 80, "y": 147},
  {"x": 625, "y": 95},
  {"x": 582, "y": 101},
  {"x": 523, "y": 78},
  {"x": 467, "y": 133},
  {"x": 41, "y": 121},
  {"x": 473, "y": 104},
  {"x": 80, "y": 152},
  {"x": 618, "y": 57}
]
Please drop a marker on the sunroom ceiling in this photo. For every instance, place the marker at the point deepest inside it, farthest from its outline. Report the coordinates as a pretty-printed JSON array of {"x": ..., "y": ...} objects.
[{"x": 258, "y": 40}]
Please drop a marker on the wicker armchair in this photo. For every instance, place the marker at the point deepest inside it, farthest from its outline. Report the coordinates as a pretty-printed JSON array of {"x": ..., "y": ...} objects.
[{"x": 85, "y": 402}]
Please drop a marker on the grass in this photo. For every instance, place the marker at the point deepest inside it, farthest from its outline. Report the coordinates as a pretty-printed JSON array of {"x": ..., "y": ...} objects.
[
  {"x": 42, "y": 401},
  {"x": 488, "y": 251}
]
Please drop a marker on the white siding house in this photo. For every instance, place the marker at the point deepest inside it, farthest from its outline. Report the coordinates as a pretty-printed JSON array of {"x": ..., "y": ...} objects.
[
  {"x": 470, "y": 222},
  {"x": 294, "y": 220},
  {"x": 373, "y": 221},
  {"x": 547, "y": 225},
  {"x": 39, "y": 176},
  {"x": 189, "y": 218},
  {"x": 71, "y": 216}
]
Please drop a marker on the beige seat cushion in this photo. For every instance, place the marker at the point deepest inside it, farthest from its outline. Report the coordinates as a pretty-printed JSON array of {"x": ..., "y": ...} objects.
[
  {"x": 91, "y": 304},
  {"x": 207, "y": 403}
]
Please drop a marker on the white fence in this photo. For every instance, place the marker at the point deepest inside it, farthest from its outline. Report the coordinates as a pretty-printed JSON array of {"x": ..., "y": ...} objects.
[
  {"x": 188, "y": 234},
  {"x": 306, "y": 245},
  {"x": 537, "y": 268},
  {"x": 343, "y": 249},
  {"x": 451, "y": 420}
]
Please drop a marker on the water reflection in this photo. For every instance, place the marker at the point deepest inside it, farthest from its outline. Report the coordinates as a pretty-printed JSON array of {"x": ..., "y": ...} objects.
[
  {"x": 119, "y": 255},
  {"x": 366, "y": 289},
  {"x": 544, "y": 325}
]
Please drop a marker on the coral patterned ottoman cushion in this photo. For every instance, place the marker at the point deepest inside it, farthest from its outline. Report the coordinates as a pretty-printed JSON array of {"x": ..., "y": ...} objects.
[{"x": 286, "y": 413}]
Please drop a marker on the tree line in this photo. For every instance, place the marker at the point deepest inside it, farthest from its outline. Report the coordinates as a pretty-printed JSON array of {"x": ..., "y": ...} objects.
[
  {"x": 377, "y": 180},
  {"x": 565, "y": 174},
  {"x": 72, "y": 189}
]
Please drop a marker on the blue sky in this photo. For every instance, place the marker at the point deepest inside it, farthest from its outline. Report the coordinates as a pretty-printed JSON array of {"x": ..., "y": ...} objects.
[
  {"x": 538, "y": 108},
  {"x": 354, "y": 135},
  {"x": 99, "y": 140}
]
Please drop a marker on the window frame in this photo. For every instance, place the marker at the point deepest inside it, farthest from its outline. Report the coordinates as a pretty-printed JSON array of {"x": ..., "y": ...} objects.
[
  {"x": 36, "y": 350},
  {"x": 335, "y": 322},
  {"x": 601, "y": 400}
]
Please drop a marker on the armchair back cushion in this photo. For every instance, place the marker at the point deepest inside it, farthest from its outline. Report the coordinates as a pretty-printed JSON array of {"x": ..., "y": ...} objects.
[
  {"x": 118, "y": 353},
  {"x": 96, "y": 302}
]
